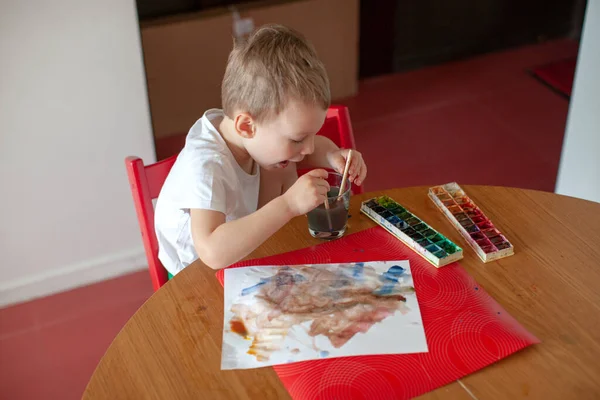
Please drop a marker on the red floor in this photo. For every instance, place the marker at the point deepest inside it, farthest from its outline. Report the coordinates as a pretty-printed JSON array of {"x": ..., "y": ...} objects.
[{"x": 480, "y": 121}]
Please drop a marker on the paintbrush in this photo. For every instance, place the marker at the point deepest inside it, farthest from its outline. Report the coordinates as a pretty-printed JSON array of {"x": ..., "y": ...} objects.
[
  {"x": 328, "y": 215},
  {"x": 345, "y": 175}
]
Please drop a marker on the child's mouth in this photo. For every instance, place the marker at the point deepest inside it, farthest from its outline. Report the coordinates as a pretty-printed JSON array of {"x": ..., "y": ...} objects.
[{"x": 283, "y": 164}]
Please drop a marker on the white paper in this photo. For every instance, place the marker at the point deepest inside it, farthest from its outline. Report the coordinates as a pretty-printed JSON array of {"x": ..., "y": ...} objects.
[{"x": 288, "y": 314}]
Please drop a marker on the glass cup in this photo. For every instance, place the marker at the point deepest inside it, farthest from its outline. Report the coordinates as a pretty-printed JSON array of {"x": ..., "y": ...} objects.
[{"x": 331, "y": 223}]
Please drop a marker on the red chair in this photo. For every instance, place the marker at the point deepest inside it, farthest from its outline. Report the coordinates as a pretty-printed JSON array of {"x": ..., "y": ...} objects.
[{"x": 147, "y": 180}]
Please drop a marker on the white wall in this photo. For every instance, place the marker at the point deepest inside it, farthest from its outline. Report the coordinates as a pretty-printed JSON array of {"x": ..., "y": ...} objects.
[
  {"x": 579, "y": 172},
  {"x": 73, "y": 104}
]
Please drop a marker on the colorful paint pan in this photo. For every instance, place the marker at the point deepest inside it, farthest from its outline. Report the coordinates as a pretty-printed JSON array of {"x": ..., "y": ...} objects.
[
  {"x": 416, "y": 234},
  {"x": 471, "y": 222}
]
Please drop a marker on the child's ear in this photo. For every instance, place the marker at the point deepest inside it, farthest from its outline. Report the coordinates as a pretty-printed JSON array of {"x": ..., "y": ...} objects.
[{"x": 244, "y": 125}]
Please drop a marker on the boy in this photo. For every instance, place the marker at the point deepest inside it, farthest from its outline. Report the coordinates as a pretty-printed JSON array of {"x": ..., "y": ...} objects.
[{"x": 234, "y": 184}]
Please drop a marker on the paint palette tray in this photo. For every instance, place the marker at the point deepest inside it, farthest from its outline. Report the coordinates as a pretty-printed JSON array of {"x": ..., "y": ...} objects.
[
  {"x": 477, "y": 229},
  {"x": 416, "y": 234}
]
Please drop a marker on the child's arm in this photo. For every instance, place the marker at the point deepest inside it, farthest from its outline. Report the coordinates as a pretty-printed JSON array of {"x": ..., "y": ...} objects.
[
  {"x": 328, "y": 155},
  {"x": 220, "y": 244}
]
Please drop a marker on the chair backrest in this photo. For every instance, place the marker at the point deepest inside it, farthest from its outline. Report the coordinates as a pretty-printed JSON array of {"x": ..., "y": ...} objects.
[
  {"x": 338, "y": 127},
  {"x": 145, "y": 182}
]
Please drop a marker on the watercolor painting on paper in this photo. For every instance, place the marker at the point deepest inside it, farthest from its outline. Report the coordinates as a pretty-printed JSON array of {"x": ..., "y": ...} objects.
[{"x": 279, "y": 315}]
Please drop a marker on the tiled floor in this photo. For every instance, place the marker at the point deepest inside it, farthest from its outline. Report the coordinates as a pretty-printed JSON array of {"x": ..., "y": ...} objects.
[{"x": 481, "y": 121}]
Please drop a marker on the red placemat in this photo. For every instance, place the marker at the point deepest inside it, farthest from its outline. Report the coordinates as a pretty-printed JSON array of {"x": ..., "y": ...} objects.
[{"x": 466, "y": 329}]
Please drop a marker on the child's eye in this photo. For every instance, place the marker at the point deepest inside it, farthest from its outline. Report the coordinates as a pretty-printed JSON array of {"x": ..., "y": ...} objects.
[{"x": 297, "y": 141}]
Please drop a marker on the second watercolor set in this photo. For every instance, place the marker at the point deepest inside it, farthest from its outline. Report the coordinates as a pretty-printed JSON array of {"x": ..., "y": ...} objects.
[{"x": 474, "y": 226}]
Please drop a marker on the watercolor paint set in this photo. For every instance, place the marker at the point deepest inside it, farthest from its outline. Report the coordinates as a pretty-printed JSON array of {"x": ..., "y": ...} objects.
[
  {"x": 477, "y": 229},
  {"x": 416, "y": 234}
]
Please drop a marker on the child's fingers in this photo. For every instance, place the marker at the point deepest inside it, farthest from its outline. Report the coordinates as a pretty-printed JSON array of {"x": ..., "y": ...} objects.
[
  {"x": 355, "y": 166},
  {"x": 362, "y": 175},
  {"x": 318, "y": 173},
  {"x": 322, "y": 190},
  {"x": 322, "y": 183}
]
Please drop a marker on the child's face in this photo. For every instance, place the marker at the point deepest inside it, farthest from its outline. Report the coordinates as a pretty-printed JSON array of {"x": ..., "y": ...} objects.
[{"x": 288, "y": 137}]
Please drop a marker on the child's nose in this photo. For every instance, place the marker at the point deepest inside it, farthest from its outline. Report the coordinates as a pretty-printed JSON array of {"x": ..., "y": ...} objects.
[{"x": 309, "y": 147}]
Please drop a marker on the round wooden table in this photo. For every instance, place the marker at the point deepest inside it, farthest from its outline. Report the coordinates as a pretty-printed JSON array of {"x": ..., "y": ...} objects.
[{"x": 171, "y": 347}]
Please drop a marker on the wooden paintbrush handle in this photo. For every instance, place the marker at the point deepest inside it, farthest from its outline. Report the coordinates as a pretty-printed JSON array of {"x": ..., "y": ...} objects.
[{"x": 345, "y": 175}]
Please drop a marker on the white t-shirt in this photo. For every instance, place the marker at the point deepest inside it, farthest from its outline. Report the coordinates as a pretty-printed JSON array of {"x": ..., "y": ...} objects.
[{"x": 205, "y": 176}]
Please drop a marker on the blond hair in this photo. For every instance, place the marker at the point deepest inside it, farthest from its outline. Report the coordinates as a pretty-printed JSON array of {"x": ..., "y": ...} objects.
[{"x": 273, "y": 65}]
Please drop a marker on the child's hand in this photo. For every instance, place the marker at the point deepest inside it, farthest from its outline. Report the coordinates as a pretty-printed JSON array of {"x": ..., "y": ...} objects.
[
  {"x": 358, "y": 169},
  {"x": 309, "y": 191}
]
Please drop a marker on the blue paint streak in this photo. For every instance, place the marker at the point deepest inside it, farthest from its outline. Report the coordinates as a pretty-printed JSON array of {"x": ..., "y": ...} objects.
[
  {"x": 386, "y": 290},
  {"x": 394, "y": 273},
  {"x": 280, "y": 280},
  {"x": 323, "y": 354},
  {"x": 358, "y": 270},
  {"x": 390, "y": 278},
  {"x": 252, "y": 289}
]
